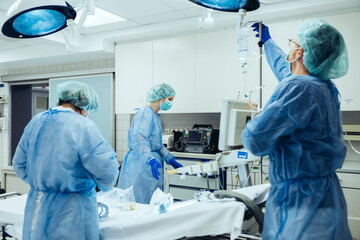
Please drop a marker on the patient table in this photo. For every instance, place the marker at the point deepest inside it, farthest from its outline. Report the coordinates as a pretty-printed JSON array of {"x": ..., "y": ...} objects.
[{"x": 184, "y": 219}]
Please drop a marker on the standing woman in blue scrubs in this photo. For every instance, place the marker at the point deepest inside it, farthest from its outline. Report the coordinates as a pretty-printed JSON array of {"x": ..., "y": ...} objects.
[
  {"x": 63, "y": 156},
  {"x": 142, "y": 166},
  {"x": 300, "y": 128}
]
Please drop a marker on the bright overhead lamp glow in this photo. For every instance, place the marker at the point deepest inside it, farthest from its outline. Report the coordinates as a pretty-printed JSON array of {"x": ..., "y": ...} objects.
[
  {"x": 33, "y": 18},
  {"x": 101, "y": 17},
  {"x": 229, "y": 5}
]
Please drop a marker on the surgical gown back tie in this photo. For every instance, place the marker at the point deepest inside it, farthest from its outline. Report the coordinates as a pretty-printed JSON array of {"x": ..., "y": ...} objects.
[{"x": 283, "y": 188}]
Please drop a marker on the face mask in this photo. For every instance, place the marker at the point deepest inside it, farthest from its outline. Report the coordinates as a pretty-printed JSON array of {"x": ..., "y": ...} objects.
[
  {"x": 287, "y": 62},
  {"x": 165, "y": 106}
]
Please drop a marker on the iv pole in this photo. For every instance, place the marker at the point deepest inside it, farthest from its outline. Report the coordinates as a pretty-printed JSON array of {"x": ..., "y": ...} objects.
[{"x": 260, "y": 43}]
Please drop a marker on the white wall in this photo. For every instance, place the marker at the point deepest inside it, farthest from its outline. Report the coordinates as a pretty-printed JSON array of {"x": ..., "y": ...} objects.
[
  {"x": 348, "y": 85},
  {"x": 4, "y": 135},
  {"x": 218, "y": 72}
]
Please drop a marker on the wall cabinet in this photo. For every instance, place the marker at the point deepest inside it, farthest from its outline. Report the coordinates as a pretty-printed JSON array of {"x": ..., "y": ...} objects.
[
  {"x": 133, "y": 74},
  {"x": 174, "y": 63},
  {"x": 218, "y": 70},
  {"x": 203, "y": 69}
]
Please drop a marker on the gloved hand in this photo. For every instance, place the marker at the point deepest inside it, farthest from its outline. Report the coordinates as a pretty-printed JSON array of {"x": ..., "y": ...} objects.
[
  {"x": 174, "y": 163},
  {"x": 154, "y": 168},
  {"x": 265, "y": 32}
]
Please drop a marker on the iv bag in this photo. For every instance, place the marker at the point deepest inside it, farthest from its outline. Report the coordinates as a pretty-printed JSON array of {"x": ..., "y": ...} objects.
[{"x": 243, "y": 37}]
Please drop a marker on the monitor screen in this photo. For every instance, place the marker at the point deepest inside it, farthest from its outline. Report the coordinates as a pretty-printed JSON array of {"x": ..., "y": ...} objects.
[
  {"x": 234, "y": 116},
  {"x": 195, "y": 136}
]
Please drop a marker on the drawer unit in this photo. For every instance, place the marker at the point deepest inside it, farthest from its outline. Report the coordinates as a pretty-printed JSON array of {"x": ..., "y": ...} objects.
[
  {"x": 184, "y": 189},
  {"x": 183, "y": 194},
  {"x": 352, "y": 197},
  {"x": 350, "y": 183},
  {"x": 194, "y": 181},
  {"x": 354, "y": 224},
  {"x": 349, "y": 180},
  {"x": 13, "y": 183}
]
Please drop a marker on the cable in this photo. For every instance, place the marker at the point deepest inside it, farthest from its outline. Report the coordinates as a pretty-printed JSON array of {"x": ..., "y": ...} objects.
[
  {"x": 252, "y": 168},
  {"x": 250, "y": 94},
  {"x": 232, "y": 179},
  {"x": 237, "y": 180},
  {"x": 207, "y": 180},
  {"x": 220, "y": 182},
  {"x": 356, "y": 151}
]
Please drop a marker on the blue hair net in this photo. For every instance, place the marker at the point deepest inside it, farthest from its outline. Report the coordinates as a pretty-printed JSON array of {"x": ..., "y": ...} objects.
[
  {"x": 79, "y": 94},
  {"x": 325, "y": 54},
  {"x": 160, "y": 91}
]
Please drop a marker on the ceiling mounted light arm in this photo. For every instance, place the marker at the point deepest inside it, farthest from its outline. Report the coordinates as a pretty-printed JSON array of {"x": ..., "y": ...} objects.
[
  {"x": 206, "y": 21},
  {"x": 34, "y": 18},
  {"x": 88, "y": 8}
]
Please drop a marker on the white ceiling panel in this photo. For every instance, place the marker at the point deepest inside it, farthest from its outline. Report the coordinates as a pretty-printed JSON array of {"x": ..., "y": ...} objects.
[
  {"x": 147, "y": 19},
  {"x": 164, "y": 17},
  {"x": 9, "y": 45},
  {"x": 109, "y": 27},
  {"x": 179, "y": 4},
  {"x": 131, "y": 9},
  {"x": 193, "y": 12},
  {"x": 5, "y": 4}
]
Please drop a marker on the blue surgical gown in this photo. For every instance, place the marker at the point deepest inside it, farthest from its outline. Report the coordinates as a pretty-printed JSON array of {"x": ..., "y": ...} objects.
[
  {"x": 145, "y": 143},
  {"x": 63, "y": 156},
  {"x": 300, "y": 129}
]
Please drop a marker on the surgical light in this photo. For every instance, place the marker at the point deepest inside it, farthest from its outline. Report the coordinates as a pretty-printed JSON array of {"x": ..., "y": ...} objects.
[
  {"x": 34, "y": 18},
  {"x": 229, "y": 5}
]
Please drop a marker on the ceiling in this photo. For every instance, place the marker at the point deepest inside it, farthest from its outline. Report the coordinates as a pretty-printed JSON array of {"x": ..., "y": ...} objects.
[{"x": 146, "y": 19}]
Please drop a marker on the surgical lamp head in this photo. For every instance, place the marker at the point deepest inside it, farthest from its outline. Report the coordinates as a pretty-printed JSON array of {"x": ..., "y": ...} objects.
[
  {"x": 229, "y": 5},
  {"x": 34, "y": 18}
]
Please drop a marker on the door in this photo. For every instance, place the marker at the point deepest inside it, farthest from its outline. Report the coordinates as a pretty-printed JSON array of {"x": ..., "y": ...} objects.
[{"x": 103, "y": 84}]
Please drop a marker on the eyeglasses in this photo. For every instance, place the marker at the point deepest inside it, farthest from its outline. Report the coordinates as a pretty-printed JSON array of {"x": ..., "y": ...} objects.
[{"x": 293, "y": 43}]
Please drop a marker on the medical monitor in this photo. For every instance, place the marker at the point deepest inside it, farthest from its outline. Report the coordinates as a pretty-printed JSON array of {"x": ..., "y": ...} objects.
[{"x": 234, "y": 116}]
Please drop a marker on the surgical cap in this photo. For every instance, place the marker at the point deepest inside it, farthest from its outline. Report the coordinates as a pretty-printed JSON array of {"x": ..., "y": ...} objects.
[
  {"x": 160, "y": 91},
  {"x": 79, "y": 94},
  {"x": 325, "y": 54}
]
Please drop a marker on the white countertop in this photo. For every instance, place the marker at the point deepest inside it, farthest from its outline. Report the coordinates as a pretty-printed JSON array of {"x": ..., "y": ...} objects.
[
  {"x": 348, "y": 166},
  {"x": 194, "y": 155}
]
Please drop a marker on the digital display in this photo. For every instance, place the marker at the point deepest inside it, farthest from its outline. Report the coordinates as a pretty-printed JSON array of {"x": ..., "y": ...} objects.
[{"x": 195, "y": 136}]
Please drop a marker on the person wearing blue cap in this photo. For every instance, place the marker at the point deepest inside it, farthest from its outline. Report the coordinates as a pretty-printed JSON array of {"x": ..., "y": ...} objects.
[
  {"x": 63, "y": 156},
  {"x": 142, "y": 166},
  {"x": 300, "y": 128}
]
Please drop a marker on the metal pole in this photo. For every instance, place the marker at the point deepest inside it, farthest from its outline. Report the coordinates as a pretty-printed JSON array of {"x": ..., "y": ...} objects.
[
  {"x": 260, "y": 47},
  {"x": 260, "y": 76}
]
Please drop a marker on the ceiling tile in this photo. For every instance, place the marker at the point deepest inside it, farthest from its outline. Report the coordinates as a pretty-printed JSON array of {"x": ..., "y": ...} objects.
[
  {"x": 130, "y": 9},
  {"x": 178, "y": 4},
  {"x": 109, "y": 27},
  {"x": 164, "y": 17}
]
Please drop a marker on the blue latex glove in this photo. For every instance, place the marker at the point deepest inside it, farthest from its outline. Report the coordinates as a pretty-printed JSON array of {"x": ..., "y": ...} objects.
[
  {"x": 265, "y": 32},
  {"x": 174, "y": 163},
  {"x": 154, "y": 168}
]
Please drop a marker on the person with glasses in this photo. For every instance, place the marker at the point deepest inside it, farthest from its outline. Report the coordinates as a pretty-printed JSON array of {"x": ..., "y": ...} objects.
[
  {"x": 142, "y": 166},
  {"x": 300, "y": 129},
  {"x": 63, "y": 156}
]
